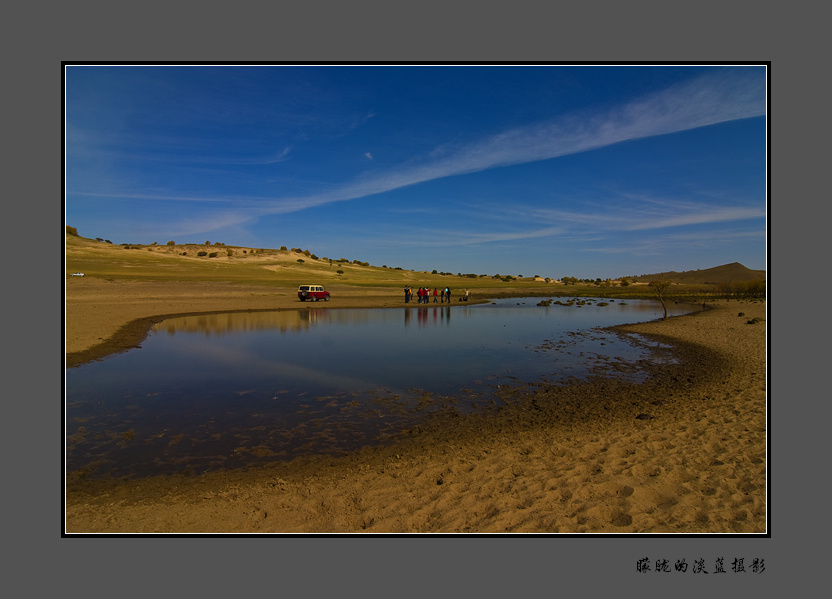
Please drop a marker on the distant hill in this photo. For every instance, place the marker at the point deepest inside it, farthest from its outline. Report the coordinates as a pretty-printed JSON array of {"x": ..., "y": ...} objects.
[
  {"x": 100, "y": 257},
  {"x": 727, "y": 273}
]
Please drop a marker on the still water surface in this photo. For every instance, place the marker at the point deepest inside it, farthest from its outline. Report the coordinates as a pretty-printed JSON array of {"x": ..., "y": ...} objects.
[{"x": 230, "y": 390}]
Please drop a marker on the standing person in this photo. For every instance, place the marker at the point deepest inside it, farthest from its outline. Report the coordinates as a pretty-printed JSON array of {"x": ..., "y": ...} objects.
[
  {"x": 448, "y": 294},
  {"x": 406, "y": 294},
  {"x": 435, "y": 294}
]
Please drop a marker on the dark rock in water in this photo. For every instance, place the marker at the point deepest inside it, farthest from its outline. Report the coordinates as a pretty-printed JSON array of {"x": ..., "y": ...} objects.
[{"x": 644, "y": 417}]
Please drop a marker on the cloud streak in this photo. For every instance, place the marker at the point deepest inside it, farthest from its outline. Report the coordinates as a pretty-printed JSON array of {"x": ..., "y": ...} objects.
[
  {"x": 675, "y": 215},
  {"x": 658, "y": 245},
  {"x": 447, "y": 238},
  {"x": 707, "y": 100}
]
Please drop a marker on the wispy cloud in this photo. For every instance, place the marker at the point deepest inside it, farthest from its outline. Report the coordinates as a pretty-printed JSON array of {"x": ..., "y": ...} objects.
[
  {"x": 658, "y": 245},
  {"x": 157, "y": 197},
  {"x": 279, "y": 157},
  {"x": 436, "y": 237},
  {"x": 641, "y": 218},
  {"x": 708, "y": 100},
  {"x": 706, "y": 216}
]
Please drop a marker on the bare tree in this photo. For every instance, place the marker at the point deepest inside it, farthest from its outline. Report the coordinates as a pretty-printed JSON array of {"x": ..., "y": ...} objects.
[{"x": 660, "y": 287}]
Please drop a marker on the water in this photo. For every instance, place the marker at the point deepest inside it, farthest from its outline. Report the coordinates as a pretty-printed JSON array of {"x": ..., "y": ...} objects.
[{"x": 231, "y": 390}]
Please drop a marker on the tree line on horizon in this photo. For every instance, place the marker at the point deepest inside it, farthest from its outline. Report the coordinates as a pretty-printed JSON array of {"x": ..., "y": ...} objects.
[{"x": 725, "y": 290}]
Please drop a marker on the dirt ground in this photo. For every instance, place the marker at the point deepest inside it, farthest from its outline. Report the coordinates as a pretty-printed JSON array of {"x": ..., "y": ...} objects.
[{"x": 684, "y": 452}]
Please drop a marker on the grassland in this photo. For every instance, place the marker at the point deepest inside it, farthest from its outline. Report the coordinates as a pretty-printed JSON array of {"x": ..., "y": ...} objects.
[{"x": 280, "y": 269}]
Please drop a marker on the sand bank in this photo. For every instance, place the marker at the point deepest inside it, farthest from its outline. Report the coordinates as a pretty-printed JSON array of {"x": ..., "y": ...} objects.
[{"x": 684, "y": 452}]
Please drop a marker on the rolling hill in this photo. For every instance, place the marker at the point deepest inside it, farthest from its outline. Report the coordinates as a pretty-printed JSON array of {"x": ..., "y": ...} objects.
[
  {"x": 727, "y": 273},
  {"x": 98, "y": 257}
]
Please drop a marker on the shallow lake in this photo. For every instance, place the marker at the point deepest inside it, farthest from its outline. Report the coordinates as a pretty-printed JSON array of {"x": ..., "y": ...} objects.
[{"x": 231, "y": 390}]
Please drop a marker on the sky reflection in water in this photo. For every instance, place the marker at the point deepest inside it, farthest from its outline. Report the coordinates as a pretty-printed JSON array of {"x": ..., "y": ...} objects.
[{"x": 229, "y": 390}]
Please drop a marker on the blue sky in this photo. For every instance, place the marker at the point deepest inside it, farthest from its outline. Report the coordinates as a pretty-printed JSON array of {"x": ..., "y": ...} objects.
[{"x": 587, "y": 171}]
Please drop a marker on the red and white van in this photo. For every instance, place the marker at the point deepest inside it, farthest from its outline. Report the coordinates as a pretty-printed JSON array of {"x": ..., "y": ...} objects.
[{"x": 312, "y": 292}]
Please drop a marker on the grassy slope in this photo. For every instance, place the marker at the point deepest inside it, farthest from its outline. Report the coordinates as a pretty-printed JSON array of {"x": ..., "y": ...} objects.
[
  {"x": 264, "y": 267},
  {"x": 277, "y": 268}
]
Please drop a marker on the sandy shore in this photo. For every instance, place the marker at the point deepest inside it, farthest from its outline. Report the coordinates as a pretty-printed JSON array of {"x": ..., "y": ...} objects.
[
  {"x": 104, "y": 317},
  {"x": 684, "y": 452}
]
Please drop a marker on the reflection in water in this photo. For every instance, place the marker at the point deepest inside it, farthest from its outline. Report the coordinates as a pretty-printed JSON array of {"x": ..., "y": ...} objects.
[
  {"x": 221, "y": 324},
  {"x": 229, "y": 390},
  {"x": 426, "y": 316}
]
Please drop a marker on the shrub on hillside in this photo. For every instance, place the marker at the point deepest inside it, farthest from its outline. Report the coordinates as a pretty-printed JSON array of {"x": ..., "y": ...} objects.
[
  {"x": 742, "y": 289},
  {"x": 71, "y": 231}
]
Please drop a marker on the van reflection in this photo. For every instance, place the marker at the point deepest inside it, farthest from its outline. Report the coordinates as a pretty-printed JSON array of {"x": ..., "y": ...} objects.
[{"x": 284, "y": 321}]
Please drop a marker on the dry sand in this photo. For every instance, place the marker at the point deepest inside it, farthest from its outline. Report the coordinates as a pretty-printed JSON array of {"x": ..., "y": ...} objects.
[{"x": 684, "y": 452}]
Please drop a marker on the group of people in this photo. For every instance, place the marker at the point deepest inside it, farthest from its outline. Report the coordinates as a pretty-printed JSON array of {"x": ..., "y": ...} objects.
[{"x": 423, "y": 295}]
